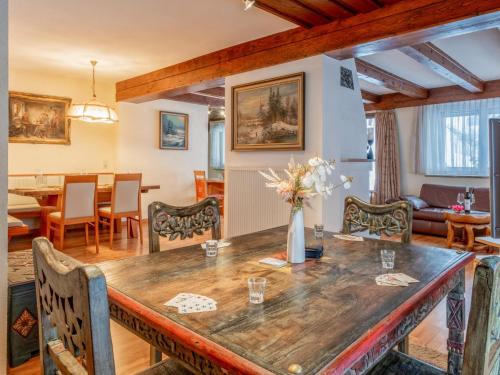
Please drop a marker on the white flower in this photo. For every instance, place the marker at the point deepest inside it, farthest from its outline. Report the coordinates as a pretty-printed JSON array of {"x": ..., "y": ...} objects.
[
  {"x": 314, "y": 162},
  {"x": 346, "y": 181},
  {"x": 308, "y": 180}
]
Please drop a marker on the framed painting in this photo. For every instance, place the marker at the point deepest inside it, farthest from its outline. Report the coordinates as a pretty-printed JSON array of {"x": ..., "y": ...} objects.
[
  {"x": 269, "y": 115},
  {"x": 174, "y": 131},
  {"x": 38, "y": 119}
]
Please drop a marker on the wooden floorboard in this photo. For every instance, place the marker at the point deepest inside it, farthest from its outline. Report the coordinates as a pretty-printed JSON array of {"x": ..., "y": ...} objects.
[{"x": 132, "y": 354}]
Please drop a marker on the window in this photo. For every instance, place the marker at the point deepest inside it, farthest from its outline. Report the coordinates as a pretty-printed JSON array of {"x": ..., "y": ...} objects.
[
  {"x": 453, "y": 138},
  {"x": 370, "y": 131},
  {"x": 216, "y": 147}
]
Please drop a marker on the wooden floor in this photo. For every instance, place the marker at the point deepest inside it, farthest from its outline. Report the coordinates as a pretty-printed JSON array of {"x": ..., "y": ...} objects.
[{"x": 132, "y": 354}]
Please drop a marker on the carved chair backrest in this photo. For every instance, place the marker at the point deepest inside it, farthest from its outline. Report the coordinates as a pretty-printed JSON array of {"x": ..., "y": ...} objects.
[
  {"x": 182, "y": 222},
  {"x": 73, "y": 314},
  {"x": 482, "y": 344},
  {"x": 79, "y": 197},
  {"x": 126, "y": 196},
  {"x": 389, "y": 219},
  {"x": 200, "y": 184}
]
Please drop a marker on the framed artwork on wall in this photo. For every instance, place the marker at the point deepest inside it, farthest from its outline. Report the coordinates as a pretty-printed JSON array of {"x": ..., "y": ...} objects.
[
  {"x": 174, "y": 131},
  {"x": 269, "y": 115},
  {"x": 38, "y": 119}
]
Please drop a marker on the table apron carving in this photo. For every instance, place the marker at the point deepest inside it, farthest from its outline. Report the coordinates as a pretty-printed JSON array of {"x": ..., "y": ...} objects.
[
  {"x": 189, "y": 358},
  {"x": 411, "y": 321}
]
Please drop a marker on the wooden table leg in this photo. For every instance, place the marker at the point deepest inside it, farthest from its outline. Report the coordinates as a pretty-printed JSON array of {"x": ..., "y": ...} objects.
[
  {"x": 451, "y": 234},
  {"x": 455, "y": 313},
  {"x": 469, "y": 232}
]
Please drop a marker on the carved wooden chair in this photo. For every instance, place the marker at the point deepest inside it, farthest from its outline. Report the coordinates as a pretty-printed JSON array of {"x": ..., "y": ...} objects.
[
  {"x": 388, "y": 219},
  {"x": 482, "y": 344},
  {"x": 125, "y": 202},
  {"x": 73, "y": 315},
  {"x": 181, "y": 222}
]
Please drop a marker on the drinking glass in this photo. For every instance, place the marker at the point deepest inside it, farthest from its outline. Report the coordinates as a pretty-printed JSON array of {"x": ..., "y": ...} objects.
[
  {"x": 211, "y": 248},
  {"x": 460, "y": 198},
  {"x": 387, "y": 257},
  {"x": 318, "y": 231},
  {"x": 256, "y": 287}
]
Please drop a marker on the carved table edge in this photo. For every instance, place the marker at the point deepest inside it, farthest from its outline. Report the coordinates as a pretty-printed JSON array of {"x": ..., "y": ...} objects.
[
  {"x": 359, "y": 359},
  {"x": 196, "y": 353}
]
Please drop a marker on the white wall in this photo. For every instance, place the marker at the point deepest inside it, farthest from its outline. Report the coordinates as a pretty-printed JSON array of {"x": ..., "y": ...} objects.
[
  {"x": 137, "y": 150},
  {"x": 3, "y": 181},
  {"x": 331, "y": 113},
  {"x": 92, "y": 145},
  {"x": 411, "y": 182}
]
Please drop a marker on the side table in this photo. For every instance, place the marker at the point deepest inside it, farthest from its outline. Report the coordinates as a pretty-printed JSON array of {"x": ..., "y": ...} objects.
[{"x": 468, "y": 225}]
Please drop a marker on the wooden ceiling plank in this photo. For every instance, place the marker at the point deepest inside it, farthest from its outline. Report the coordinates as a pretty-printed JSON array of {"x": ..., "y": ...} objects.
[
  {"x": 361, "y": 6},
  {"x": 199, "y": 99},
  {"x": 383, "y": 29},
  {"x": 370, "y": 97},
  {"x": 439, "y": 95},
  {"x": 215, "y": 91},
  {"x": 441, "y": 63},
  {"x": 378, "y": 76},
  {"x": 328, "y": 8},
  {"x": 293, "y": 11}
]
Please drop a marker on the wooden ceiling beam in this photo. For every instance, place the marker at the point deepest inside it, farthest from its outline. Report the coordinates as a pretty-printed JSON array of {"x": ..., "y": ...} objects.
[
  {"x": 441, "y": 63},
  {"x": 439, "y": 95},
  {"x": 382, "y": 29},
  {"x": 199, "y": 99},
  {"x": 370, "y": 97},
  {"x": 378, "y": 76}
]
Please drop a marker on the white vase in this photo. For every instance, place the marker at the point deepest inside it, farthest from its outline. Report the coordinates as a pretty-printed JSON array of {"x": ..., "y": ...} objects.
[{"x": 295, "y": 247}]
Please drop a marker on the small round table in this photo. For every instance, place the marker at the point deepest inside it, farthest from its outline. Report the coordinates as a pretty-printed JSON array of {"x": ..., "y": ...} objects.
[{"x": 469, "y": 225}]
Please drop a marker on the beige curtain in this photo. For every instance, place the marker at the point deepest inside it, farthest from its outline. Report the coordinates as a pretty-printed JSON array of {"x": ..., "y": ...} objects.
[{"x": 387, "y": 165}]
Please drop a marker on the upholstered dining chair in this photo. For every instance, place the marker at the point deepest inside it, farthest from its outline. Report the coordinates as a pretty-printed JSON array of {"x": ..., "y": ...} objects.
[
  {"x": 183, "y": 223},
  {"x": 73, "y": 315},
  {"x": 388, "y": 219},
  {"x": 78, "y": 206},
  {"x": 201, "y": 188},
  {"x": 125, "y": 203},
  {"x": 482, "y": 342}
]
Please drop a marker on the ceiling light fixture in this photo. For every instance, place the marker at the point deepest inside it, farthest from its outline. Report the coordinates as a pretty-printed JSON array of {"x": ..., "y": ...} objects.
[
  {"x": 248, "y": 4},
  {"x": 93, "y": 111}
]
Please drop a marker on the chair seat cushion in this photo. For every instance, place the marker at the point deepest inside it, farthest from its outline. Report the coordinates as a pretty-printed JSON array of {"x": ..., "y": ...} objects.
[
  {"x": 19, "y": 203},
  {"x": 14, "y": 222},
  {"x": 105, "y": 210},
  {"x": 396, "y": 363},
  {"x": 166, "y": 367},
  {"x": 56, "y": 215}
]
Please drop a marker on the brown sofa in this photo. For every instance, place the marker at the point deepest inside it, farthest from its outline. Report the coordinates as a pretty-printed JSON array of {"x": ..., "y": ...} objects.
[{"x": 434, "y": 202}]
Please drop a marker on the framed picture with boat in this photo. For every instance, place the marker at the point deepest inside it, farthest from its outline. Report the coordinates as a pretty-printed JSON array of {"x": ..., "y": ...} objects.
[
  {"x": 174, "y": 131},
  {"x": 37, "y": 118},
  {"x": 269, "y": 115}
]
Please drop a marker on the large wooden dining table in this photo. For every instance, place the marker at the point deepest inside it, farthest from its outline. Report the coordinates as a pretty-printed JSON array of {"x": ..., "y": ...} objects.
[{"x": 325, "y": 316}]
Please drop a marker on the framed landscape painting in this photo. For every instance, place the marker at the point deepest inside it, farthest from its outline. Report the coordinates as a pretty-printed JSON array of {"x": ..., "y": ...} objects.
[
  {"x": 269, "y": 115},
  {"x": 38, "y": 119},
  {"x": 174, "y": 131}
]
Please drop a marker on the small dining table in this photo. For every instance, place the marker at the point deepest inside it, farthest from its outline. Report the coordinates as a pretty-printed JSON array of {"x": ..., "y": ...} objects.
[{"x": 324, "y": 316}]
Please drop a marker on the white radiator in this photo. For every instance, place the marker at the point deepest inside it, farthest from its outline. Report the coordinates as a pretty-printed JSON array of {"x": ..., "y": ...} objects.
[{"x": 250, "y": 206}]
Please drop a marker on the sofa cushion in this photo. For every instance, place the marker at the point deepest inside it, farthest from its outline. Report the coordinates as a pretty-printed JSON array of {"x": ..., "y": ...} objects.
[
  {"x": 417, "y": 203},
  {"x": 444, "y": 196},
  {"x": 431, "y": 214}
]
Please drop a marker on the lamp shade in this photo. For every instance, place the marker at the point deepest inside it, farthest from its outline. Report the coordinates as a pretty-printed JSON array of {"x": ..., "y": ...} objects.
[{"x": 94, "y": 112}]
